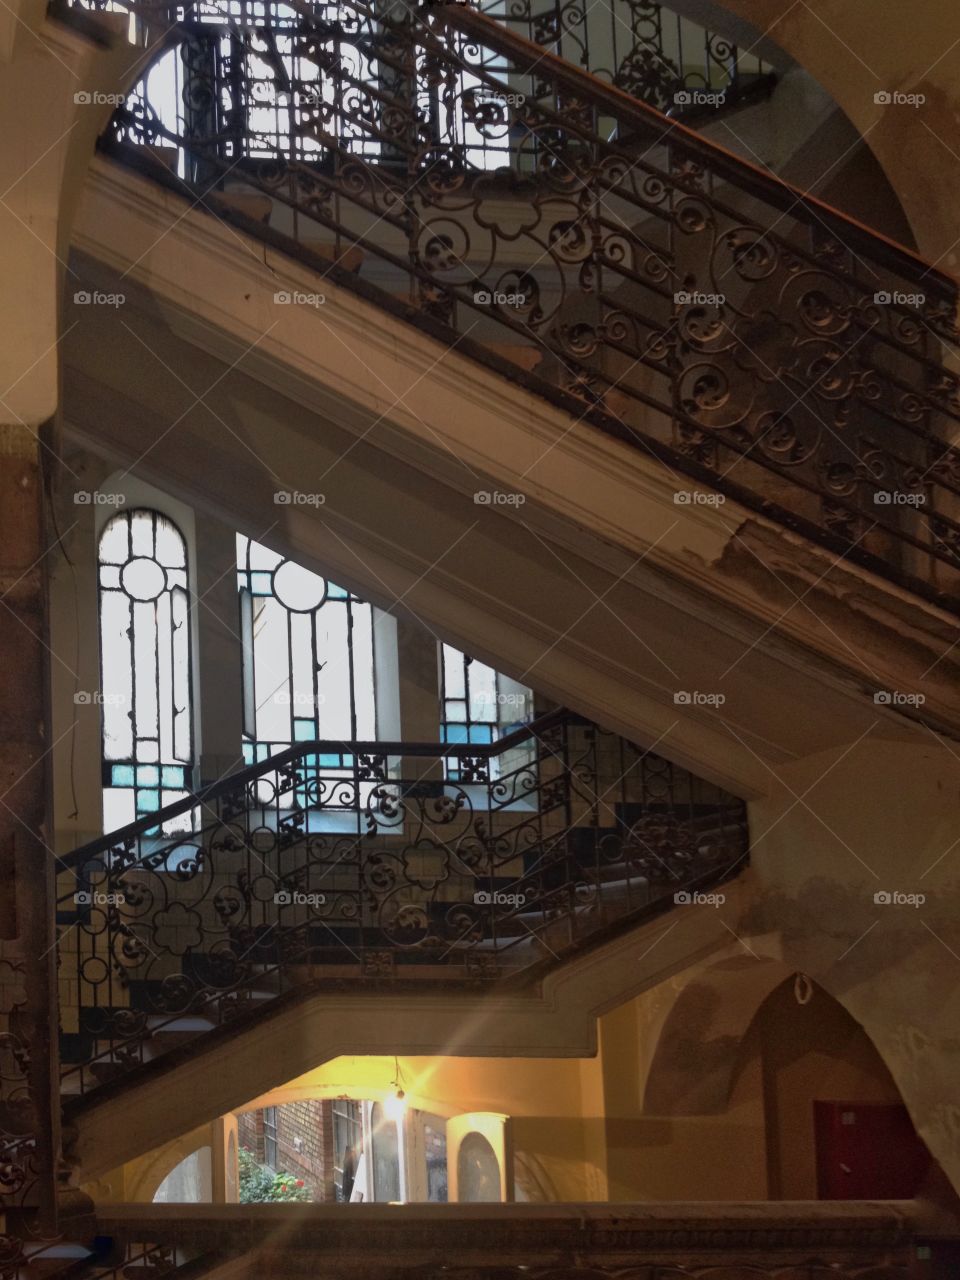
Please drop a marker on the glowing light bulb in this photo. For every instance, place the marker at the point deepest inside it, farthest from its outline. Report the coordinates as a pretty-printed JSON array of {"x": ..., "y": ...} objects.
[{"x": 395, "y": 1105}]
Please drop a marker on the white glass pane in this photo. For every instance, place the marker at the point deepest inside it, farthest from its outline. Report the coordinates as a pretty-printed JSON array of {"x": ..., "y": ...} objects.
[
  {"x": 183, "y": 720},
  {"x": 116, "y": 680},
  {"x": 114, "y": 543},
  {"x": 453, "y": 683},
  {"x": 483, "y": 692},
  {"x": 165, "y": 677},
  {"x": 171, "y": 551},
  {"x": 145, "y": 668},
  {"x": 301, "y": 641},
  {"x": 363, "y": 680},
  {"x": 118, "y": 809},
  {"x": 333, "y": 681},
  {"x": 141, "y": 533},
  {"x": 272, "y": 672}
]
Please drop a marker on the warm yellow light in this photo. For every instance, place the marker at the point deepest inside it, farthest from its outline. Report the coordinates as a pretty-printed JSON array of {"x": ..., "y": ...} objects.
[{"x": 395, "y": 1105}]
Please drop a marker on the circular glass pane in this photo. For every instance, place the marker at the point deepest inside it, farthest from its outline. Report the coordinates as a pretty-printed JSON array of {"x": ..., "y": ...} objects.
[
  {"x": 143, "y": 579},
  {"x": 297, "y": 588}
]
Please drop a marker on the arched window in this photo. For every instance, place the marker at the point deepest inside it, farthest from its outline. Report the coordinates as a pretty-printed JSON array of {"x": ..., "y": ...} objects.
[
  {"x": 308, "y": 658},
  {"x": 145, "y": 679}
]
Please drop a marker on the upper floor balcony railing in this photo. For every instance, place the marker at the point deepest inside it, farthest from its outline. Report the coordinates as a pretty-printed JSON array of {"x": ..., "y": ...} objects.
[
  {"x": 379, "y": 870},
  {"x": 588, "y": 247}
]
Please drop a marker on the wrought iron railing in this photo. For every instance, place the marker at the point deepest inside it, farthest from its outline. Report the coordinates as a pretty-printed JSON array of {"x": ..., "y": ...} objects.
[
  {"x": 657, "y": 56},
  {"x": 743, "y": 333},
  {"x": 380, "y": 871}
]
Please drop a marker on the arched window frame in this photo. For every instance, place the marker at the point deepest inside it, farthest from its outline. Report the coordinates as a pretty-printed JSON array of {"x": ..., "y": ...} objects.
[
  {"x": 148, "y": 722},
  {"x": 316, "y": 664}
]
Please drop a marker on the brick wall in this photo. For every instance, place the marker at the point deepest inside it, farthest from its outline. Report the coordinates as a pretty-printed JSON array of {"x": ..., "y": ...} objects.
[{"x": 304, "y": 1143}]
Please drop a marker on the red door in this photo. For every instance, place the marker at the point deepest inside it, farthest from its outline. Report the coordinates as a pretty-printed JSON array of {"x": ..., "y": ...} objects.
[{"x": 867, "y": 1151}]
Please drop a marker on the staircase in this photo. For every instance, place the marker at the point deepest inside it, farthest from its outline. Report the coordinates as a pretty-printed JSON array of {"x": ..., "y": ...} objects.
[
  {"x": 573, "y": 240},
  {"x": 401, "y": 866},
  {"x": 589, "y": 249}
]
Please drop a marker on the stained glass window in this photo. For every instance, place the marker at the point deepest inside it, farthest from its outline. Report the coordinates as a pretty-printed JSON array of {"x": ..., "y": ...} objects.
[
  {"x": 307, "y": 658},
  {"x": 479, "y": 705},
  {"x": 145, "y": 680}
]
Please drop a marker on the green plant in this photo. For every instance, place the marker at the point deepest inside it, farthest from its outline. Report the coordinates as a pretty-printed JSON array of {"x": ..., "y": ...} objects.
[{"x": 260, "y": 1186}]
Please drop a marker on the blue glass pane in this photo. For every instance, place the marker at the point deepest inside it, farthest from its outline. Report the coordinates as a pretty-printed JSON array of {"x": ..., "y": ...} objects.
[
  {"x": 329, "y": 762},
  {"x": 263, "y": 750},
  {"x": 173, "y": 776},
  {"x": 248, "y": 753},
  {"x": 148, "y": 775},
  {"x": 261, "y": 584},
  {"x": 336, "y": 593},
  {"x": 481, "y": 733},
  {"x": 455, "y": 733},
  {"x": 304, "y": 730},
  {"x": 148, "y": 800},
  {"x": 121, "y": 775}
]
